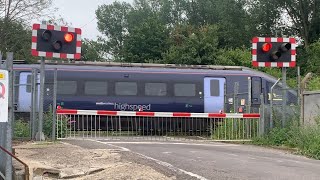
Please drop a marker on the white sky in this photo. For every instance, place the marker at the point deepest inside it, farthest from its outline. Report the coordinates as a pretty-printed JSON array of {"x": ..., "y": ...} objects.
[{"x": 81, "y": 14}]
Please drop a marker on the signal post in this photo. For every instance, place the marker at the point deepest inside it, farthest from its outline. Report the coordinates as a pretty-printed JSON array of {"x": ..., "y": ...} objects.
[{"x": 275, "y": 52}]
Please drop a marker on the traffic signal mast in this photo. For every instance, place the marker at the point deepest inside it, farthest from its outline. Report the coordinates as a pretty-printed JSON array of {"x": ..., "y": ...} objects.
[{"x": 53, "y": 42}]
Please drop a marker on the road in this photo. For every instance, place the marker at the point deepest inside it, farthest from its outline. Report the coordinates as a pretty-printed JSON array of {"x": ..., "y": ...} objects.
[{"x": 211, "y": 160}]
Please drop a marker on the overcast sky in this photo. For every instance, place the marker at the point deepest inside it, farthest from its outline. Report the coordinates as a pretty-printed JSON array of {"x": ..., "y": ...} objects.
[{"x": 81, "y": 14}]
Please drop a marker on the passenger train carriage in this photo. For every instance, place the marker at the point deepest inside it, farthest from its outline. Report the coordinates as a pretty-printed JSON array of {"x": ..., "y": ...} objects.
[
  {"x": 197, "y": 89},
  {"x": 154, "y": 88}
]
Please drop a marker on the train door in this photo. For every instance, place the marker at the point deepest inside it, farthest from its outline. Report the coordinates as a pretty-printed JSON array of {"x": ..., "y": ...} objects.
[
  {"x": 24, "y": 98},
  {"x": 214, "y": 94}
]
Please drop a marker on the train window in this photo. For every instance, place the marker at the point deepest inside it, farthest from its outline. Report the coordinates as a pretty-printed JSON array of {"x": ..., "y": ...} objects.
[
  {"x": 28, "y": 89},
  {"x": 126, "y": 88},
  {"x": 96, "y": 88},
  {"x": 184, "y": 89},
  {"x": 256, "y": 86},
  {"x": 67, "y": 87},
  {"x": 155, "y": 89},
  {"x": 214, "y": 88}
]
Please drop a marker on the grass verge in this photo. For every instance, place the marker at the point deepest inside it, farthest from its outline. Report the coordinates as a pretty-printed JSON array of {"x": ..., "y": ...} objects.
[{"x": 302, "y": 140}]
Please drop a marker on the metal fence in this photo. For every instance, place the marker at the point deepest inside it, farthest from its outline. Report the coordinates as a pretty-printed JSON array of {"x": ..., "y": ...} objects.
[
  {"x": 284, "y": 106},
  {"x": 156, "y": 125},
  {"x": 26, "y": 103}
]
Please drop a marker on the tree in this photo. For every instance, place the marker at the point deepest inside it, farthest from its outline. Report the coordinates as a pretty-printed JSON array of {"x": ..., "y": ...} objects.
[
  {"x": 18, "y": 40},
  {"x": 26, "y": 10},
  {"x": 289, "y": 17},
  {"x": 112, "y": 22},
  {"x": 92, "y": 50},
  {"x": 192, "y": 45},
  {"x": 235, "y": 29},
  {"x": 147, "y": 41},
  {"x": 15, "y": 36}
]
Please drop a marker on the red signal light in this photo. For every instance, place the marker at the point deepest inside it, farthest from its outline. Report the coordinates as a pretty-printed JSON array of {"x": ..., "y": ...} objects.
[
  {"x": 68, "y": 37},
  {"x": 266, "y": 47}
]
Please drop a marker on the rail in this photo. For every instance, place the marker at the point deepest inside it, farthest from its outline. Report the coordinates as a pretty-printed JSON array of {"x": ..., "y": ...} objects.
[{"x": 26, "y": 167}]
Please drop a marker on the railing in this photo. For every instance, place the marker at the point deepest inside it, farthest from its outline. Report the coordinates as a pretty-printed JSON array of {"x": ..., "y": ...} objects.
[
  {"x": 26, "y": 168},
  {"x": 155, "y": 125}
]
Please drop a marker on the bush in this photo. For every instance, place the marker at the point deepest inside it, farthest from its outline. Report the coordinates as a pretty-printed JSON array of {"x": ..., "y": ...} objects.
[
  {"x": 21, "y": 129},
  {"x": 305, "y": 139}
]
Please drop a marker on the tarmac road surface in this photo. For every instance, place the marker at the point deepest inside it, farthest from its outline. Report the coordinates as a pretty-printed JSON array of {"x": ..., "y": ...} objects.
[{"x": 211, "y": 160}]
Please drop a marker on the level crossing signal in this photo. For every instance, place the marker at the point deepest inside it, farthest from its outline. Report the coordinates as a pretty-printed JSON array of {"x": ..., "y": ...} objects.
[
  {"x": 56, "y": 41},
  {"x": 273, "y": 52}
]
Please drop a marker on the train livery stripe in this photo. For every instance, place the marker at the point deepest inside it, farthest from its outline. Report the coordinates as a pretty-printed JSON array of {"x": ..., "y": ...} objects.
[{"x": 156, "y": 114}]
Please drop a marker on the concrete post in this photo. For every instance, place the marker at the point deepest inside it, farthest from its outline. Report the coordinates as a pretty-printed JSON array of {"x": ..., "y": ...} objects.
[{"x": 11, "y": 116}]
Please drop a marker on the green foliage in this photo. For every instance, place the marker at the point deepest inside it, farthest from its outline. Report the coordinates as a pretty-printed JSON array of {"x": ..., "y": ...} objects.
[
  {"x": 91, "y": 50},
  {"x": 14, "y": 37},
  {"x": 304, "y": 16},
  {"x": 21, "y": 129},
  {"x": 112, "y": 22},
  {"x": 234, "y": 57},
  {"x": 47, "y": 124},
  {"x": 61, "y": 125},
  {"x": 312, "y": 58},
  {"x": 146, "y": 41},
  {"x": 193, "y": 45},
  {"x": 235, "y": 129},
  {"x": 305, "y": 139},
  {"x": 314, "y": 83}
]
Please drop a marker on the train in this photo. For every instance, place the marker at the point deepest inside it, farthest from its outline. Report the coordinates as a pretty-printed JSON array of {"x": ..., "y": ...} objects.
[
  {"x": 150, "y": 87},
  {"x": 147, "y": 87}
]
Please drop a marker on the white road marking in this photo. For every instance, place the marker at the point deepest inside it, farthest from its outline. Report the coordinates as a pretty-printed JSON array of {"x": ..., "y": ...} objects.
[
  {"x": 166, "y": 152},
  {"x": 168, "y": 143},
  {"x": 162, "y": 163},
  {"x": 232, "y": 154},
  {"x": 170, "y": 166},
  {"x": 119, "y": 147}
]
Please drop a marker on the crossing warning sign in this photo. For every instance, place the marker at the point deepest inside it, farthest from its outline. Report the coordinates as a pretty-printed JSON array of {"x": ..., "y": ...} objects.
[{"x": 4, "y": 96}]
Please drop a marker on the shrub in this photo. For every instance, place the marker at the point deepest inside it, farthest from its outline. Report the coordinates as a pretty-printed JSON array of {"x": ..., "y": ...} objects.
[
  {"x": 305, "y": 139},
  {"x": 21, "y": 129},
  {"x": 48, "y": 122}
]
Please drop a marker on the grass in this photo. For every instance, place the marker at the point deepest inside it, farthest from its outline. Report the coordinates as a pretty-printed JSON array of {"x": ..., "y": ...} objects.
[{"x": 302, "y": 140}]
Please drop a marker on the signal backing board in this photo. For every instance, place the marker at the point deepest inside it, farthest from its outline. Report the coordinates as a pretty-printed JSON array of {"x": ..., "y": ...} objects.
[
  {"x": 56, "y": 41},
  {"x": 273, "y": 52}
]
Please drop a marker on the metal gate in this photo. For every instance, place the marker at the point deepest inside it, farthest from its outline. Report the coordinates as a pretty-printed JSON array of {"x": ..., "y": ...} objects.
[{"x": 155, "y": 125}]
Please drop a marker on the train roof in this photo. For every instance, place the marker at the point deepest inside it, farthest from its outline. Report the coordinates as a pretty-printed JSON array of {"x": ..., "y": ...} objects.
[{"x": 148, "y": 67}]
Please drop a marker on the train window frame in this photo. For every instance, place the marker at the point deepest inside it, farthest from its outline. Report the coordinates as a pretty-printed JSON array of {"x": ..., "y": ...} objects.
[
  {"x": 214, "y": 92},
  {"x": 106, "y": 90},
  {"x": 74, "y": 88},
  {"x": 132, "y": 82},
  {"x": 175, "y": 90}
]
